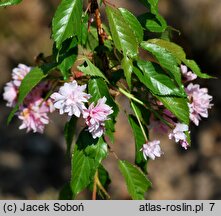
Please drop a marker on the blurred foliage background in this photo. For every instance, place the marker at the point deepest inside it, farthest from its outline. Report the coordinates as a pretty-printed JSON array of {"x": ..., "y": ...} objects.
[{"x": 33, "y": 166}]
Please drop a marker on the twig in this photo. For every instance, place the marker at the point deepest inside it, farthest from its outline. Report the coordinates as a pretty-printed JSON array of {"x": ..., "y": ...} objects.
[
  {"x": 102, "y": 188},
  {"x": 98, "y": 184},
  {"x": 94, "y": 194},
  {"x": 131, "y": 97},
  {"x": 102, "y": 36}
]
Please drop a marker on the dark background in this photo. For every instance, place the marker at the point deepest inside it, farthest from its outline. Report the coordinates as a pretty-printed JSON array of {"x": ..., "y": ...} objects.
[{"x": 33, "y": 166}]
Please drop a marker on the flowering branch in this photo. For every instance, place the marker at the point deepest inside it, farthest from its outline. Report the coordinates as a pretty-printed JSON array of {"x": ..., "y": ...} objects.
[{"x": 164, "y": 100}]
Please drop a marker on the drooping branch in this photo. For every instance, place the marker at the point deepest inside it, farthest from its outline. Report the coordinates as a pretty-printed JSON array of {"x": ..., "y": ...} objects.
[{"x": 100, "y": 31}]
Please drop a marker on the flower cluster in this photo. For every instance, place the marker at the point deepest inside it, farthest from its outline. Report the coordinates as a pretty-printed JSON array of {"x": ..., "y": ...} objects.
[
  {"x": 95, "y": 116},
  {"x": 34, "y": 111},
  {"x": 179, "y": 135},
  {"x": 199, "y": 103},
  {"x": 151, "y": 149},
  {"x": 71, "y": 99}
]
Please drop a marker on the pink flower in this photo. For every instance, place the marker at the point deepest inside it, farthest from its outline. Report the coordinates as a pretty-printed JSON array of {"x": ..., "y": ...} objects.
[
  {"x": 34, "y": 117},
  {"x": 19, "y": 73},
  {"x": 70, "y": 99},
  {"x": 11, "y": 89},
  {"x": 10, "y": 94},
  {"x": 96, "y": 116},
  {"x": 179, "y": 135},
  {"x": 151, "y": 149},
  {"x": 189, "y": 75},
  {"x": 34, "y": 110},
  {"x": 199, "y": 102}
]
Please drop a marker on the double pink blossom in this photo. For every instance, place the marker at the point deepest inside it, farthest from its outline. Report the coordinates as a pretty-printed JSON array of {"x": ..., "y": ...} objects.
[
  {"x": 95, "y": 117},
  {"x": 19, "y": 73},
  {"x": 200, "y": 102},
  {"x": 34, "y": 117},
  {"x": 188, "y": 75},
  {"x": 179, "y": 135},
  {"x": 11, "y": 89},
  {"x": 70, "y": 99},
  {"x": 151, "y": 149},
  {"x": 10, "y": 94},
  {"x": 34, "y": 111}
]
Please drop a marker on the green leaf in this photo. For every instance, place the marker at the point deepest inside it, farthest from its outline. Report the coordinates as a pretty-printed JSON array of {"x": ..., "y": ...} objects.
[
  {"x": 173, "y": 48},
  {"x": 158, "y": 24},
  {"x": 166, "y": 60},
  {"x": 153, "y": 78},
  {"x": 27, "y": 84},
  {"x": 87, "y": 156},
  {"x": 139, "y": 141},
  {"x": 180, "y": 55},
  {"x": 92, "y": 40},
  {"x": 154, "y": 5},
  {"x": 137, "y": 182},
  {"x": 178, "y": 106},
  {"x": 195, "y": 68},
  {"x": 98, "y": 89},
  {"x": 66, "y": 65},
  {"x": 133, "y": 23},
  {"x": 4, "y": 3},
  {"x": 81, "y": 171},
  {"x": 154, "y": 23},
  {"x": 69, "y": 132},
  {"x": 66, "y": 56},
  {"x": 84, "y": 29},
  {"x": 127, "y": 65},
  {"x": 91, "y": 70},
  {"x": 67, "y": 21},
  {"x": 142, "y": 112},
  {"x": 150, "y": 4},
  {"x": 97, "y": 151},
  {"x": 123, "y": 37}
]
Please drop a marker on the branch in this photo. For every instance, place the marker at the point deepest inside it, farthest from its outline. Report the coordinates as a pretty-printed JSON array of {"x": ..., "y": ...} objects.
[
  {"x": 102, "y": 36},
  {"x": 94, "y": 194}
]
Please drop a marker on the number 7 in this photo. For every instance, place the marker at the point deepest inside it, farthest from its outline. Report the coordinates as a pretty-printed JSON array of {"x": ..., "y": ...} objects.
[{"x": 212, "y": 205}]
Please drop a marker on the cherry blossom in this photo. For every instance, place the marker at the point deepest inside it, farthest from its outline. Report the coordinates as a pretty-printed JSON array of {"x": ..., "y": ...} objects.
[
  {"x": 19, "y": 73},
  {"x": 34, "y": 117},
  {"x": 199, "y": 102},
  {"x": 10, "y": 94},
  {"x": 34, "y": 110},
  {"x": 11, "y": 89},
  {"x": 189, "y": 75},
  {"x": 70, "y": 99},
  {"x": 96, "y": 116},
  {"x": 179, "y": 135},
  {"x": 151, "y": 149}
]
